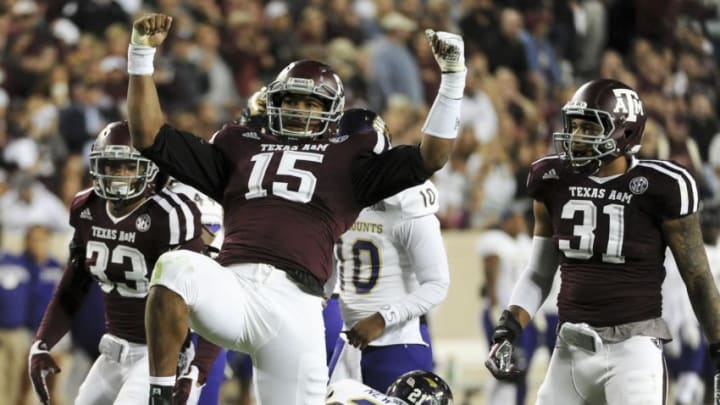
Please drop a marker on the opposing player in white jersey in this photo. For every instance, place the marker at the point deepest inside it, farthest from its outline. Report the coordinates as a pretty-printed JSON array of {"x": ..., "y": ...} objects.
[
  {"x": 416, "y": 387},
  {"x": 392, "y": 268},
  {"x": 503, "y": 252}
]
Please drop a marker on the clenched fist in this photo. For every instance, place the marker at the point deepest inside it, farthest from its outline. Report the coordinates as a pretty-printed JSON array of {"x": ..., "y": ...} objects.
[
  {"x": 151, "y": 30},
  {"x": 448, "y": 49}
]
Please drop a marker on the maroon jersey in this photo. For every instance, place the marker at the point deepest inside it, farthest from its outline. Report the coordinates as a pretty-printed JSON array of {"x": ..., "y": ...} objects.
[
  {"x": 121, "y": 252},
  {"x": 609, "y": 233},
  {"x": 286, "y": 201}
]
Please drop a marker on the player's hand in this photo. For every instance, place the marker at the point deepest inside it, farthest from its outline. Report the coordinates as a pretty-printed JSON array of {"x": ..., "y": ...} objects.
[
  {"x": 365, "y": 331},
  {"x": 151, "y": 29},
  {"x": 188, "y": 387},
  {"x": 500, "y": 362},
  {"x": 41, "y": 364},
  {"x": 448, "y": 49},
  {"x": 257, "y": 103}
]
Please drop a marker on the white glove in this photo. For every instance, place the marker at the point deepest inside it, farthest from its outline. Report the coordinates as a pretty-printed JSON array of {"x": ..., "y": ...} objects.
[{"x": 448, "y": 49}]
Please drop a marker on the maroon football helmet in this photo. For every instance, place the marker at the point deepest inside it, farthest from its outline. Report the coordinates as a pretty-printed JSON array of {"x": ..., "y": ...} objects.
[
  {"x": 305, "y": 77},
  {"x": 616, "y": 109},
  {"x": 118, "y": 170}
]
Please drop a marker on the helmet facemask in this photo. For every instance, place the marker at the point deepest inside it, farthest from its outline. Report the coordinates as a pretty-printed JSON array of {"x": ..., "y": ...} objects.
[
  {"x": 586, "y": 152},
  {"x": 120, "y": 187},
  {"x": 302, "y": 123}
]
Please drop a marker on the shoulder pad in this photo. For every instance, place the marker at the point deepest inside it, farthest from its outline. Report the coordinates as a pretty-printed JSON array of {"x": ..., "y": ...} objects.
[
  {"x": 228, "y": 129},
  {"x": 81, "y": 198},
  {"x": 255, "y": 122},
  {"x": 543, "y": 170},
  {"x": 416, "y": 201},
  {"x": 80, "y": 202},
  {"x": 670, "y": 183},
  {"x": 358, "y": 121},
  {"x": 361, "y": 123}
]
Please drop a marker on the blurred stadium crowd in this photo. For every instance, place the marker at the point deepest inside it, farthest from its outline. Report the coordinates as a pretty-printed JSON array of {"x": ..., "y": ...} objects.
[{"x": 63, "y": 78}]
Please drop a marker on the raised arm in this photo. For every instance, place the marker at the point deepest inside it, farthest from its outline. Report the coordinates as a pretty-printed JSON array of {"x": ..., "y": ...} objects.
[
  {"x": 145, "y": 117},
  {"x": 443, "y": 121}
]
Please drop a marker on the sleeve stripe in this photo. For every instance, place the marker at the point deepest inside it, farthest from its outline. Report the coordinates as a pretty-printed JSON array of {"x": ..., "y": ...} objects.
[
  {"x": 686, "y": 184},
  {"x": 173, "y": 216},
  {"x": 189, "y": 219},
  {"x": 690, "y": 179}
]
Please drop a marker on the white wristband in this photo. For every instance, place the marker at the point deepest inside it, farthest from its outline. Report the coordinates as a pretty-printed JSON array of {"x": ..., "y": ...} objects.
[
  {"x": 443, "y": 120},
  {"x": 140, "y": 60},
  {"x": 452, "y": 84}
]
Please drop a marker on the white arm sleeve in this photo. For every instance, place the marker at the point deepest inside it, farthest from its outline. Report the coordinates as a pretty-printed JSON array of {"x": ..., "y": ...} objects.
[
  {"x": 535, "y": 282},
  {"x": 422, "y": 240}
]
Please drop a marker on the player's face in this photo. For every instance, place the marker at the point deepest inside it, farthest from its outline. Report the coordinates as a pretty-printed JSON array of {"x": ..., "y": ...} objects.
[
  {"x": 581, "y": 126},
  {"x": 301, "y": 106},
  {"x": 123, "y": 173}
]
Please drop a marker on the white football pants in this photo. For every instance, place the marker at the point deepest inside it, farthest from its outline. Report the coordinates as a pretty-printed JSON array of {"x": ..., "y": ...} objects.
[
  {"x": 631, "y": 372},
  {"x": 118, "y": 383},
  {"x": 256, "y": 309}
]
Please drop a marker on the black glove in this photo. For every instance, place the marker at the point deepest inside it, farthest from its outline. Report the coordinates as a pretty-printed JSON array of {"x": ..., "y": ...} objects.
[
  {"x": 508, "y": 328},
  {"x": 41, "y": 365},
  {"x": 500, "y": 361}
]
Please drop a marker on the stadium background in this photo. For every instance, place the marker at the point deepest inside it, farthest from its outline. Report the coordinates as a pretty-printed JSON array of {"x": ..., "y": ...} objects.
[{"x": 62, "y": 77}]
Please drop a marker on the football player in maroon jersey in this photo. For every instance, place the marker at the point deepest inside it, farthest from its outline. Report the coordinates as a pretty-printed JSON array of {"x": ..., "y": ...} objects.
[
  {"x": 289, "y": 187},
  {"x": 606, "y": 217},
  {"x": 122, "y": 225}
]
